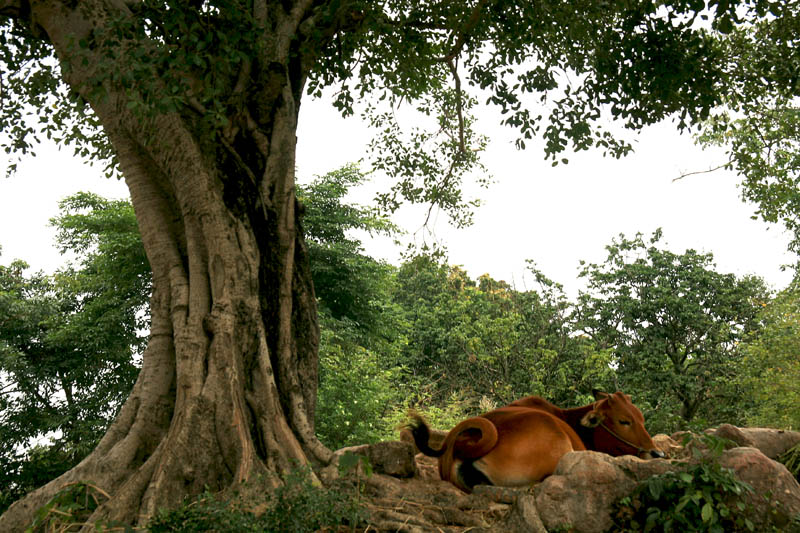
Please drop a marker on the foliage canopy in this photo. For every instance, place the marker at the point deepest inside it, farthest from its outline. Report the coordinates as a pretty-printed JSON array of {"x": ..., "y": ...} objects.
[
  {"x": 551, "y": 69},
  {"x": 70, "y": 343},
  {"x": 674, "y": 322}
]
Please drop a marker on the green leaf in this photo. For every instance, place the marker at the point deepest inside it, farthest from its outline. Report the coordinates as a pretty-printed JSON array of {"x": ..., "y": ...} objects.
[
  {"x": 349, "y": 461},
  {"x": 707, "y": 512}
]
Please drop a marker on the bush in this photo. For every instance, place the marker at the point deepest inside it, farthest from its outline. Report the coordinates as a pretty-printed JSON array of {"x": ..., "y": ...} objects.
[
  {"x": 206, "y": 513},
  {"x": 791, "y": 460},
  {"x": 703, "y": 497},
  {"x": 355, "y": 392},
  {"x": 297, "y": 506},
  {"x": 69, "y": 509}
]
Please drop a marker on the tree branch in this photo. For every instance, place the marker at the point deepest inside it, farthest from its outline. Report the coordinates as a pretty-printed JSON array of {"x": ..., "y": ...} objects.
[
  {"x": 459, "y": 112},
  {"x": 461, "y": 39},
  {"x": 687, "y": 174}
]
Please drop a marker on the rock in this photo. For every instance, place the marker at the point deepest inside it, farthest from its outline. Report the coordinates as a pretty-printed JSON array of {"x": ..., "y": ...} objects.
[
  {"x": 415, "y": 505},
  {"x": 523, "y": 517},
  {"x": 331, "y": 473},
  {"x": 580, "y": 492},
  {"x": 771, "y": 442},
  {"x": 507, "y": 495},
  {"x": 776, "y": 493},
  {"x": 730, "y": 432},
  {"x": 639, "y": 469},
  {"x": 393, "y": 458},
  {"x": 668, "y": 445},
  {"x": 427, "y": 467}
]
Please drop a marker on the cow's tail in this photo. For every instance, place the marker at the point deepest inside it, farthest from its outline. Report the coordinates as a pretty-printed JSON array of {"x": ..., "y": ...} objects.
[
  {"x": 470, "y": 440},
  {"x": 422, "y": 435}
]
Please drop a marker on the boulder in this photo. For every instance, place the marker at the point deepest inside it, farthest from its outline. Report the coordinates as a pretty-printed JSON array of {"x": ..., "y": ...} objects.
[
  {"x": 771, "y": 442},
  {"x": 776, "y": 493},
  {"x": 392, "y": 458},
  {"x": 581, "y": 491},
  {"x": 668, "y": 445},
  {"x": 331, "y": 473},
  {"x": 523, "y": 517},
  {"x": 732, "y": 433}
]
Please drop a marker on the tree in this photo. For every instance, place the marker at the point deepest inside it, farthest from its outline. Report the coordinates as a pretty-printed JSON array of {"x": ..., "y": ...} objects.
[
  {"x": 770, "y": 366},
  {"x": 347, "y": 283},
  {"x": 198, "y": 104},
  {"x": 759, "y": 122},
  {"x": 360, "y": 327},
  {"x": 69, "y": 342},
  {"x": 567, "y": 366},
  {"x": 674, "y": 323},
  {"x": 482, "y": 339}
]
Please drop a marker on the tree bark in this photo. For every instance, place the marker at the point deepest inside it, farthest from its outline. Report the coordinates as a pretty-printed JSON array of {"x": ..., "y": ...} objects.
[{"x": 228, "y": 383}]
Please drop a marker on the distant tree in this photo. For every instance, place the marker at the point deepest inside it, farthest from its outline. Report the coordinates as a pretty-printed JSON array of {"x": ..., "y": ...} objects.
[
  {"x": 460, "y": 338},
  {"x": 675, "y": 326},
  {"x": 360, "y": 328},
  {"x": 566, "y": 364},
  {"x": 347, "y": 282},
  {"x": 484, "y": 339},
  {"x": 29, "y": 374},
  {"x": 770, "y": 369},
  {"x": 69, "y": 342}
]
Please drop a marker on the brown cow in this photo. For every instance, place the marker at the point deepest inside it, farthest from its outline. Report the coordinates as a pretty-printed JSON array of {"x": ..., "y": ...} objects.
[
  {"x": 612, "y": 424},
  {"x": 522, "y": 443}
]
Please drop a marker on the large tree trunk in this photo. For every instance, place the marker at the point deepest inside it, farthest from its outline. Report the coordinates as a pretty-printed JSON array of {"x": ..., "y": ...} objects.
[{"x": 228, "y": 382}]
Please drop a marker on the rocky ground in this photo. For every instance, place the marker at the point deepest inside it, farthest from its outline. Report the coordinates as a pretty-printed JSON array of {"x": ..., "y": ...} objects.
[{"x": 403, "y": 493}]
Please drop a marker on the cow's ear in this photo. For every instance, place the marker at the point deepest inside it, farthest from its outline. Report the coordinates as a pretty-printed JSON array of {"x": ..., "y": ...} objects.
[
  {"x": 599, "y": 395},
  {"x": 592, "y": 419}
]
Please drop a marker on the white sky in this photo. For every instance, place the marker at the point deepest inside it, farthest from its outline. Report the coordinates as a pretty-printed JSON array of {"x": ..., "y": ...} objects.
[
  {"x": 557, "y": 216},
  {"x": 554, "y": 216}
]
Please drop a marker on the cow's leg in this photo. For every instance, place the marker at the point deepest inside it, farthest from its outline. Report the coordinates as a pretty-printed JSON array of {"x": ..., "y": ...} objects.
[{"x": 469, "y": 475}]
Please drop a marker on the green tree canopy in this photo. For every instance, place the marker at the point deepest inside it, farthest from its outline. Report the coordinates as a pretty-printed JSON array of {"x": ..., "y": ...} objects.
[
  {"x": 69, "y": 342},
  {"x": 758, "y": 123},
  {"x": 770, "y": 368},
  {"x": 348, "y": 283},
  {"x": 482, "y": 338},
  {"x": 674, "y": 323}
]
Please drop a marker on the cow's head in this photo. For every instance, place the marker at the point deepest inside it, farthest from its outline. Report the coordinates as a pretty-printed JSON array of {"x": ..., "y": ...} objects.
[{"x": 619, "y": 426}]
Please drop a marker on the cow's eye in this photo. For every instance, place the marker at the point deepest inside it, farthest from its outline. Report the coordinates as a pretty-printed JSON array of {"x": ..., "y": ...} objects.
[{"x": 625, "y": 422}]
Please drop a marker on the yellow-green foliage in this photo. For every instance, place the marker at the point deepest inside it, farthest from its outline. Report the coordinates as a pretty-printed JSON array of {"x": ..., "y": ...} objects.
[{"x": 771, "y": 369}]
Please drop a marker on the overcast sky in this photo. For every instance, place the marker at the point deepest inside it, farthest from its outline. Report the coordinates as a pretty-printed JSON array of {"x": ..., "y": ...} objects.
[
  {"x": 554, "y": 216},
  {"x": 557, "y": 216}
]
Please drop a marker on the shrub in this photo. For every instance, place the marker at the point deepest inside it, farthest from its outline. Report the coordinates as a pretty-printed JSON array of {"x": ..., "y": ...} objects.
[
  {"x": 69, "y": 509},
  {"x": 791, "y": 460},
  {"x": 206, "y": 513},
  {"x": 297, "y": 506},
  {"x": 704, "y": 497}
]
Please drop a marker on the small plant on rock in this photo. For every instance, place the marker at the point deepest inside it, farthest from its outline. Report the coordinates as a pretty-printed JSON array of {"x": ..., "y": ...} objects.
[
  {"x": 704, "y": 497},
  {"x": 791, "y": 460}
]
